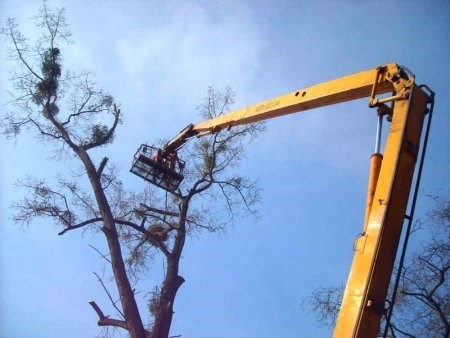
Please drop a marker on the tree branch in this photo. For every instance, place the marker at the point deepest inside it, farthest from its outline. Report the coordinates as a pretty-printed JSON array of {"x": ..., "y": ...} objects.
[
  {"x": 395, "y": 328},
  {"x": 109, "y": 295},
  {"x": 105, "y": 320},
  {"x": 42, "y": 131},
  {"x": 195, "y": 190},
  {"x": 102, "y": 166},
  {"x": 151, "y": 238},
  {"x": 108, "y": 135},
  {"x": 80, "y": 225},
  {"x": 98, "y": 251},
  {"x": 12, "y": 34},
  {"x": 159, "y": 211}
]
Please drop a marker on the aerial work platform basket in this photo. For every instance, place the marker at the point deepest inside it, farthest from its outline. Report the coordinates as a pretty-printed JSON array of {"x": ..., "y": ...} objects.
[{"x": 165, "y": 172}]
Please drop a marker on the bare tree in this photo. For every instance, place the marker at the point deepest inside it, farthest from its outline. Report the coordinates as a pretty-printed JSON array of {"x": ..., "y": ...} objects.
[
  {"x": 422, "y": 307},
  {"x": 69, "y": 111},
  {"x": 208, "y": 191}
]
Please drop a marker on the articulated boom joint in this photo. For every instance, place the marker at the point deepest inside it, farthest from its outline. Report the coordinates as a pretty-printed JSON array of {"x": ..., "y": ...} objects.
[
  {"x": 402, "y": 80},
  {"x": 178, "y": 141}
]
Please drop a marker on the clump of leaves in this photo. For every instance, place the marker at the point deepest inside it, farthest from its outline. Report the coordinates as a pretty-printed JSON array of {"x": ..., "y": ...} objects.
[
  {"x": 51, "y": 68},
  {"x": 47, "y": 87},
  {"x": 99, "y": 132}
]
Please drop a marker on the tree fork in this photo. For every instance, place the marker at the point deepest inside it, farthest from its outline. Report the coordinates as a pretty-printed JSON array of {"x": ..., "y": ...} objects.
[{"x": 129, "y": 305}]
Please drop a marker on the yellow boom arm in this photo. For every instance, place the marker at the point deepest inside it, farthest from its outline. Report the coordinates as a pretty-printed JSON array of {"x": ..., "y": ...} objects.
[
  {"x": 389, "y": 78},
  {"x": 364, "y": 297}
]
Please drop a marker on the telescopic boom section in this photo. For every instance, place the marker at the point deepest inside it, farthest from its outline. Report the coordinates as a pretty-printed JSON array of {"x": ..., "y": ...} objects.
[
  {"x": 364, "y": 297},
  {"x": 351, "y": 87}
]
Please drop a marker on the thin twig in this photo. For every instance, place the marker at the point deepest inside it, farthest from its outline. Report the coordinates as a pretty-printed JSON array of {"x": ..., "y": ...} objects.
[
  {"x": 109, "y": 295},
  {"x": 98, "y": 251}
]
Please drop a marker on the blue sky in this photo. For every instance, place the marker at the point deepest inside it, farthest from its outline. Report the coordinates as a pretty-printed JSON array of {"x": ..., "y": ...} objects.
[{"x": 157, "y": 58}]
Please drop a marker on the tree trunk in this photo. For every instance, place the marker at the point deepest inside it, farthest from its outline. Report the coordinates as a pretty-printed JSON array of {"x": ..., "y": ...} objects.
[
  {"x": 129, "y": 305},
  {"x": 164, "y": 315},
  {"x": 172, "y": 282}
]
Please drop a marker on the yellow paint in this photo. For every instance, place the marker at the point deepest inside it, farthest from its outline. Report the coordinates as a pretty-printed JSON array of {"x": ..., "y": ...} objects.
[
  {"x": 344, "y": 89},
  {"x": 374, "y": 257},
  {"x": 371, "y": 270}
]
